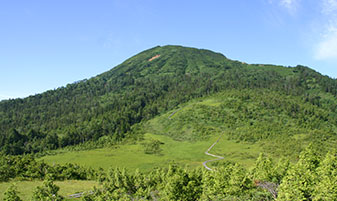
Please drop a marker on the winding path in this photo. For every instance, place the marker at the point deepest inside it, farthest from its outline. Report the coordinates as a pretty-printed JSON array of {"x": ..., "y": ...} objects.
[
  {"x": 217, "y": 157},
  {"x": 209, "y": 149}
]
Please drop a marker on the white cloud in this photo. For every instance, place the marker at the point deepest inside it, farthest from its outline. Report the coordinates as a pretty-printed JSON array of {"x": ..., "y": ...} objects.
[
  {"x": 329, "y": 7},
  {"x": 326, "y": 48}
]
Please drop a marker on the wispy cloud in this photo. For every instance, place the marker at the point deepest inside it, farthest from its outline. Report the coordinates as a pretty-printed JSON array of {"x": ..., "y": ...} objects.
[
  {"x": 329, "y": 6},
  {"x": 326, "y": 48},
  {"x": 290, "y": 5}
]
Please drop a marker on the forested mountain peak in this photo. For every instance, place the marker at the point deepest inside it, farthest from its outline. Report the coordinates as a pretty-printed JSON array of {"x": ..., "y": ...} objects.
[
  {"x": 169, "y": 60},
  {"x": 147, "y": 84}
]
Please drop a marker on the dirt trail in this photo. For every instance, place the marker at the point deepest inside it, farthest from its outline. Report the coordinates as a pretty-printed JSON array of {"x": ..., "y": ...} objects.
[
  {"x": 173, "y": 113},
  {"x": 209, "y": 149},
  {"x": 217, "y": 157}
]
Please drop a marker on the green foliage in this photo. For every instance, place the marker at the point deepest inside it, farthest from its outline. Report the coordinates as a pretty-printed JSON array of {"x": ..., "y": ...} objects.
[
  {"x": 301, "y": 179},
  {"x": 47, "y": 192},
  {"x": 11, "y": 194},
  {"x": 264, "y": 169},
  {"x": 152, "y": 147},
  {"x": 181, "y": 184},
  {"x": 326, "y": 186},
  {"x": 311, "y": 178},
  {"x": 229, "y": 181},
  {"x": 25, "y": 189},
  {"x": 253, "y": 116},
  {"x": 27, "y": 168}
]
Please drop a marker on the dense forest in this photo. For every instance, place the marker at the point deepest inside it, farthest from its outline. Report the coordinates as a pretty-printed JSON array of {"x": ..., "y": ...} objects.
[{"x": 141, "y": 88}]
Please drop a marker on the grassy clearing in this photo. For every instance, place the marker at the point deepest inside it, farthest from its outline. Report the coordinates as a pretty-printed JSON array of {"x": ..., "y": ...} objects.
[
  {"x": 243, "y": 153},
  {"x": 132, "y": 156},
  {"x": 26, "y": 188}
]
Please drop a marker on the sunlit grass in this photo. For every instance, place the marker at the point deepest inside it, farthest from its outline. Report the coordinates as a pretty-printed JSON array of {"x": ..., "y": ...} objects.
[
  {"x": 26, "y": 188},
  {"x": 132, "y": 156}
]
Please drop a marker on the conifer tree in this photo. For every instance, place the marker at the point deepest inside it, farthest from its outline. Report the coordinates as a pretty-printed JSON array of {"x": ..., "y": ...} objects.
[
  {"x": 11, "y": 194},
  {"x": 326, "y": 189},
  {"x": 47, "y": 192},
  {"x": 263, "y": 170},
  {"x": 300, "y": 182}
]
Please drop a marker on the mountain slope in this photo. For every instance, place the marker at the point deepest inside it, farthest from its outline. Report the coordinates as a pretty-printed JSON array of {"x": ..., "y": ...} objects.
[
  {"x": 150, "y": 83},
  {"x": 250, "y": 121}
]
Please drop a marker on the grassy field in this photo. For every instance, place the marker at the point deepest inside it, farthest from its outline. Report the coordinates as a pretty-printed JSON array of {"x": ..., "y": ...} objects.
[
  {"x": 132, "y": 156},
  {"x": 26, "y": 188}
]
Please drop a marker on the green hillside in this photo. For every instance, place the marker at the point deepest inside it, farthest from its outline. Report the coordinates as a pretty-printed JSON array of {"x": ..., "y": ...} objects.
[
  {"x": 144, "y": 86},
  {"x": 251, "y": 122},
  {"x": 140, "y": 132}
]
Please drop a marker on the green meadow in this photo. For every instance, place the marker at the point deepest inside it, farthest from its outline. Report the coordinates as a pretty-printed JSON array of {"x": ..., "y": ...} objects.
[
  {"x": 132, "y": 156},
  {"x": 26, "y": 188}
]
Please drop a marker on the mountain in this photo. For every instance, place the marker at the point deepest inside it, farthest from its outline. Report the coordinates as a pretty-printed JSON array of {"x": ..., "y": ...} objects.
[{"x": 156, "y": 81}]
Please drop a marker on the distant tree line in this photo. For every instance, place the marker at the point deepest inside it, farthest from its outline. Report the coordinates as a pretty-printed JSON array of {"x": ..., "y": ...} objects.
[{"x": 27, "y": 168}]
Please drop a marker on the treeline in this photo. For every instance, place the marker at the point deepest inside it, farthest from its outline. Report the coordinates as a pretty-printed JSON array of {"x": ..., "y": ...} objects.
[
  {"x": 137, "y": 90},
  {"x": 311, "y": 178},
  {"x": 27, "y": 168},
  {"x": 15, "y": 143}
]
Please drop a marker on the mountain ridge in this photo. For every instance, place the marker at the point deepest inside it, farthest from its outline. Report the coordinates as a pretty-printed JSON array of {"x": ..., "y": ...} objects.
[{"x": 113, "y": 69}]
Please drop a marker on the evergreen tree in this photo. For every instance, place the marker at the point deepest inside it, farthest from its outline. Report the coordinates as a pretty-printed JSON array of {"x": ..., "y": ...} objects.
[
  {"x": 47, "y": 192},
  {"x": 301, "y": 180},
  {"x": 326, "y": 188},
  {"x": 281, "y": 169},
  {"x": 263, "y": 170},
  {"x": 11, "y": 194}
]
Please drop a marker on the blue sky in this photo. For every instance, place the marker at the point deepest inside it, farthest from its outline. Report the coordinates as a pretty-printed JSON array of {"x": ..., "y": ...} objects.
[{"x": 45, "y": 44}]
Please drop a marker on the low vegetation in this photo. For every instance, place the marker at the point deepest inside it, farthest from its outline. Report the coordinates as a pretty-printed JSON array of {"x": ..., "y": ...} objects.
[
  {"x": 311, "y": 178},
  {"x": 25, "y": 189}
]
